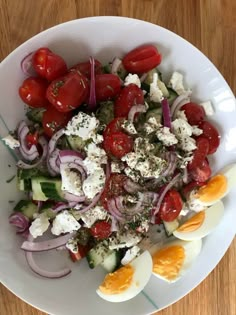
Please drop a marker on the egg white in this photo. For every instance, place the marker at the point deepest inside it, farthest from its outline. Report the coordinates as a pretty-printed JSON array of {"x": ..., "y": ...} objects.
[
  {"x": 142, "y": 272},
  {"x": 191, "y": 249}
]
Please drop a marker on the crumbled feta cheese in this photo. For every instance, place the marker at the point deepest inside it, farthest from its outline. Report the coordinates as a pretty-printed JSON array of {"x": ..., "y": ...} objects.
[
  {"x": 82, "y": 125},
  {"x": 94, "y": 183},
  {"x": 97, "y": 138},
  {"x": 95, "y": 158},
  {"x": 134, "y": 175},
  {"x": 132, "y": 158},
  {"x": 117, "y": 167},
  {"x": 151, "y": 167},
  {"x": 94, "y": 214},
  {"x": 143, "y": 146},
  {"x": 184, "y": 160},
  {"x": 196, "y": 131},
  {"x": 208, "y": 108},
  {"x": 151, "y": 125},
  {"x": 130, "y": 255},
  {"x": 132, "y": 78},
  {"x": 188, "y": 144},
  {"x": 71, "y": 180},
  {"x": 129, "y": 127},
  {"x": 176, "y": 83},
  {"x": 155, "y": 93},
  {"x": 195, "y": 204},
  {"x": 183, "y": 131},
  {"x": 11, "y": 142},
  {"x": 64, "y": 223},
  {"x": 39, "y": 225},
  {"x": 166, "y": 137},
  {"x": 181, "y": 114},
  {"x": 72, "y": 245},
  {"x": 128, "y": 239}
]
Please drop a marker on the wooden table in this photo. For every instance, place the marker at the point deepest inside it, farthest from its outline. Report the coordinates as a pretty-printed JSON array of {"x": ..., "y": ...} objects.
[{"x": 208, "y": 24}]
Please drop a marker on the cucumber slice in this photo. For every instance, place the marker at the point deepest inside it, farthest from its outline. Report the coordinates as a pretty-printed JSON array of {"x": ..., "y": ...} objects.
[
  {"x": 112, "y": 261},
  {"x": 35, "y": 114},
  {"x": 105, "y": 112},
  {"x": 76, "y": 143},
  {"x": 170, "y": 227},
  {"x": 97, "y": 254},
  {"x": 156, "y": 113},
  {"x": 27, "y": 207},
  {"x": 172, "y": 95},
  {"x": 47, "y": 188}
]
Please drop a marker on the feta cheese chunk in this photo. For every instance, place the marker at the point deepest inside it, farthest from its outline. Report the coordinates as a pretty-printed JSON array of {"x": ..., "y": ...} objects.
[
  {"x": 127, "y": 239},
  {"x": 208, "y": 108},
  {"x": 117, "y": 167},
  {"x": 71, "y": 180},
  {"x": 130, "y": 255},
  {"x": 94, "y": 183},
  {"x": 72, "y": 245},
  {"x": 64, "y": 223},
  {"x": 94, "y": 214},
  {"x": 132, "y": 78},
  {"x": 11, "y": 142},
  {"x": 39, "y": 225},
  {"x": 95, "y": 158},
  {"x": 82, "y": 125},
  {"x": 151, "y": 125},
  {"x": 166, "y": 137},
  {"x": 196, "y": 131},
  {"x": 176, "y": 83},
  {"x": 155, "y": 93},
  {"x": 183, "y": 132},
  {"x": 128, "y": 126}
]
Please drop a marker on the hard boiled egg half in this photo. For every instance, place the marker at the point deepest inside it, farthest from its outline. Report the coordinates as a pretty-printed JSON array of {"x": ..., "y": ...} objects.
[
  {"x": 201, "y": 224},
  {"x": 129, "y": 280},
  {"x": 174, "y": 259},
  {"x": 215, "y": 189}
]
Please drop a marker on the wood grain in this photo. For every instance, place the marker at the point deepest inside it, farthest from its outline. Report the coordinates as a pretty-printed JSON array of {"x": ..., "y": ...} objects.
[{"x": 208, "y": 24}]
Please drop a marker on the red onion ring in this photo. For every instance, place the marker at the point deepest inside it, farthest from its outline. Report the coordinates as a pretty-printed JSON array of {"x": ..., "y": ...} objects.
[
  {"x": 53, "y": 141},
  {"x": 73, "y": 198},
  {"x": 28, "y": 154},
  {"x": 114, "y": 211},
  {"x": 132, "y": 187},
  {"x": 92, "y": 204},
  {"x": 26, "y": 65},
  {"x": 108, "y": 170},
  {"x": 46, "y": 245},
  {"x": 136, "y": 109},
  {"x": 172, "y": 163},
  {"x": 178, "y": 103},
  {"x": 20, "y": 221},
  {"x": 60, "y": 206},
  {"x": 166, "y": 113},
  {"x": 143, "y": 77},
  {"x": 79, "y": 168},
  {"x": 114, "y": 224},
  {"x": 92, "y": 95},
  {"x": 52, "y": 162}
]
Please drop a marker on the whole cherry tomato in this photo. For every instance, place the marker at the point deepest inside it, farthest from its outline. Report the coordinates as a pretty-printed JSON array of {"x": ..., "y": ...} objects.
[
  {"x": 129, "y": 96},
  {"x": 212, "y": 134},
  {"x": 107, "y": 86},
  {"x": 142, "y": 59},
  {"x": 54, "y": 120},
  {"x": 200, "y": 153},
  {"x": 85, "y": 68},
  {"x": 68, "y": 92},
  {"x": 48, "y": 65},
  {"x": 33, "y": 92},
  {"x": 101, "y": 230},
  {"x": 171, "y": 206},
  {"x": 118, "y": 144},
  {"x": 195, "y": 113}
]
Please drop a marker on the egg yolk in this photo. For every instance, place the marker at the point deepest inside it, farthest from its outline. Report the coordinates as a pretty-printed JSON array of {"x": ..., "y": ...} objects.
[
  {"x": 214, "y": 189},
  {"x": 168, "y": 261},
  {"x": 193, "y": 223},
  {"x": 118, "y": 281}
]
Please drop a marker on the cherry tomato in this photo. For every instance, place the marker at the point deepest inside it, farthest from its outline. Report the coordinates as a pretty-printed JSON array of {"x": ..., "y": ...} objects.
[
  {"x": 202, "y": 172},
  {"x": 33, "y": 92},
  {"x": 118, "y": 144},
  {"x": 200, "y": 153},
  {"x": 107, "y": 86},
  {"x": 48, "y": 65},
  {"x": 212, "y": 134},
  {"x": 142, "y": 59},
  {"x": 190, "y": 186},
  {"x": 113, "y": 126},
  {"x": 68, "y": 92},
  {"x": 195, "y": 113},
  {"x": 114, "y": 187},
  {"x": 32, "y": 138},
  {"x": 171, "y": 206},
  {"x": 101, "y": 229},
  {"x": 85, "y": 68},
  {"x": 54, "y": 120},
  {"x": 82, "y": 252},
  {"x": 129, "y": 96}
]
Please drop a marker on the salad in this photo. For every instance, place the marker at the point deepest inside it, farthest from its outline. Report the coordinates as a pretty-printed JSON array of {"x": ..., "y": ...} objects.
[{"x": 113, "y": 161}]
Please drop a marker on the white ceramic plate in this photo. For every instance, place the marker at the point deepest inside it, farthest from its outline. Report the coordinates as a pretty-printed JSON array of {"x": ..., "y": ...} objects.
[{"x": 106, "y": 37}]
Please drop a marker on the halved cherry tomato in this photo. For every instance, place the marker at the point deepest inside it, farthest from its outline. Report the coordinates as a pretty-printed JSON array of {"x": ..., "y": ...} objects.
[
  {"x": 142, "y": 59},
  {"x": 101, "y": 229},
  {"x": 48, "y": 65},
  {"x": 85, "y": 68},
  {"x": 54, "y": 120},
  {"x": 195, "y": 113},
  {"x": 118, "y": 144},
  {"x": 202, "y": 172},
  {"x": 68, "y": 92},
  {"x": 113, "y": 126},
  {"x": 200, "y": 153},
  {"x": 33, "y": 92},
  {"x": 212, "y": 134},
  {"x": 129, "y": 96},
  {"x": 82, "y": 252},
  {"x": 190, "y": 186},
  {"x": 107, "y": 86},
  {"x": 171, "y": 206},
  {"x": 32, "y": 138},
  {"x": 114, "y": 187}
]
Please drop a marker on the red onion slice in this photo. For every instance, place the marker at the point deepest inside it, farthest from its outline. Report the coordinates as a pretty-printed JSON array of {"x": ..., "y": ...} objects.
[
  {"x": 166, "y": 113},
  {"x": 26, "y": 65},
  {"x": 136, "y": 109},
  {"x": 46, "y": 245},
  {"x": 92, "y": 204},
  {"x": 92, "y": 94},
  {"x": 114, "y": 211},
  {"x": 69, "y": 156},
  {"x": 108, "y": 170},
  {"x": 116, "y": 63},
  {"x": 20, "y": 221},
  {"x": 52, "y": 162},
  {"x": 172, "y": 163},
  {"x": 143, "y": 77},
  {"x": 132, "y": 187},
  {"x": 53, "y": 141},
  {"x": 73, "y": 198},
  {"x": 29, "y": 154},
  {"x": 60, "y": 206},
  {"x": 114, "y": 224},
  {"x": 178, "y": 103}
]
